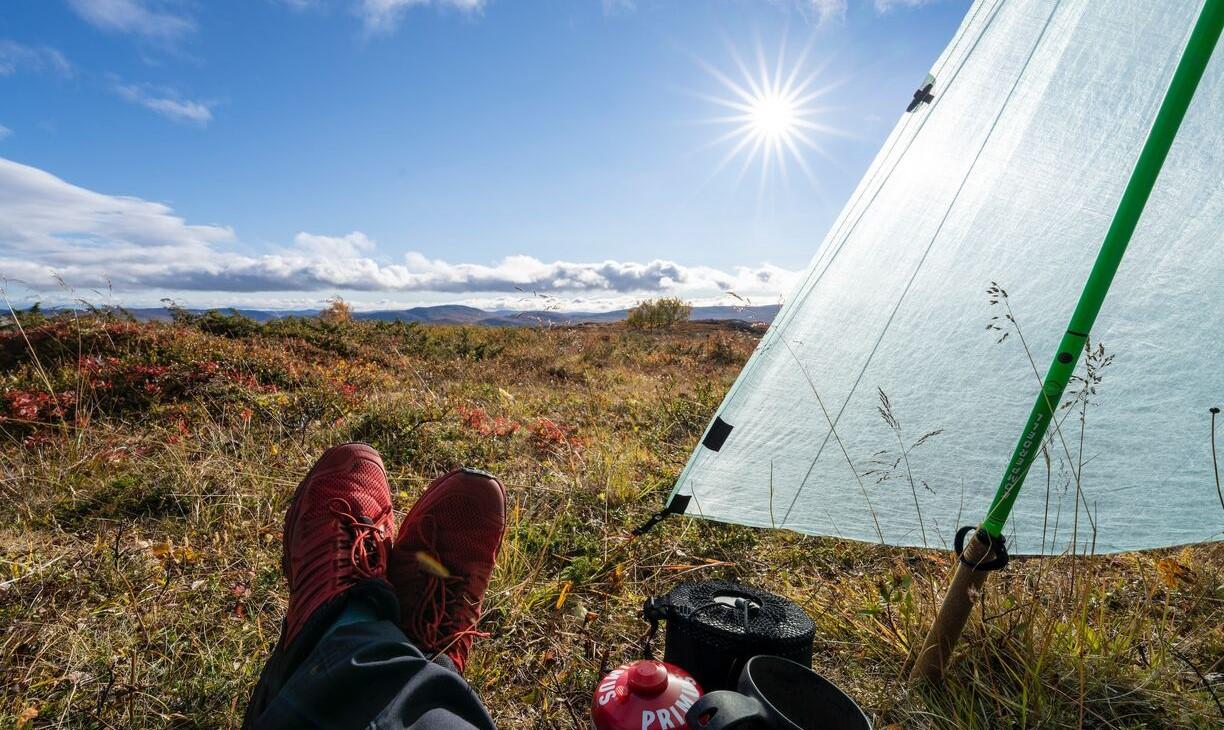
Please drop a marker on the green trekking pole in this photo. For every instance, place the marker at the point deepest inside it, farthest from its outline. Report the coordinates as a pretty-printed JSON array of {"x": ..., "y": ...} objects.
[{"x": 986, "y": 551}]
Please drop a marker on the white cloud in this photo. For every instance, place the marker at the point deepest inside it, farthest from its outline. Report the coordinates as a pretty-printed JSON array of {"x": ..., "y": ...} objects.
[
  {"x": 382, "y": 16},
  {"x": 49, "y": 226},
  {"x": 15, "y": 57},
  {"x": 344, "y": 247},
  {"x": 167, "y": 103},
  {"x": 822, "y": 10},
  {"x": 5, "y": 132},
  {"x": 828, "y": 10},
  {"x": 527, "y": 273},
  {"x": 153, "y": 19},
  {"x": 45, "y": 219},
  {"x": 884, "y": 6},
  {"x": 613, "y": 7}
]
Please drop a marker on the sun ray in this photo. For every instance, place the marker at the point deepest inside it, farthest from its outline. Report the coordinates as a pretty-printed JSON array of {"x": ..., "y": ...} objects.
[
  {"x": 799, "y": 64},
  {"x": 744, "y": 94},
  {"x": 738, "y": 132},
  {"x": 772, "y": 122},
  {"x": 816, "y": 93},
  {"x": 745, "y": 140},
  {"x": 813, "y": 145},
  {"x": 745, "y": 107},
  {"x": 800, "y": 159},
  {"x": 763, "y": 69},
  {"x": 750, "y": 157},
  {"x": 824, "y": 129},
  {"x": 779, "y": 66},
  {"x": 733, "y": 119},
  {"x": 751, "y": 80}
]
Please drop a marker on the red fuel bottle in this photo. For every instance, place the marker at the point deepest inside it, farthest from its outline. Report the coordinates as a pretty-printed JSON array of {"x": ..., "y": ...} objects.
[{"x": 644, "y": 695}]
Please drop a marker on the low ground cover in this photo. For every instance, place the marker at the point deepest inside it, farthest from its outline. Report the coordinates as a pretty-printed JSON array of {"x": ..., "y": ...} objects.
[{"x": 145, "y": 467}]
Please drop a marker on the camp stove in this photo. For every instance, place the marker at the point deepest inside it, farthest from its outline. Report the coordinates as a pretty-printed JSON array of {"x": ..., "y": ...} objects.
[
  {"x": 714, "y": 627},
  {"x": 644, "y": 695}
]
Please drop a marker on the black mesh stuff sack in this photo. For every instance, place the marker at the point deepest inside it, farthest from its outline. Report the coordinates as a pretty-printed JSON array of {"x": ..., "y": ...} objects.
[{"x": 715, "y": 626}]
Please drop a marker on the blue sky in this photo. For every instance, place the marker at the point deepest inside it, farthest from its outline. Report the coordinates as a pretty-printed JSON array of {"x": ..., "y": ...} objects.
[{"x": 279, "y": 152}]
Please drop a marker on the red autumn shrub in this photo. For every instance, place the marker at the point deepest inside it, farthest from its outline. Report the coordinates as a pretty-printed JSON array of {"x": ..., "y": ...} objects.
[
  {"x": 475, "y": 419},
  {"x": 548, "y": 436},
  {"x": 29, "y": 405}
]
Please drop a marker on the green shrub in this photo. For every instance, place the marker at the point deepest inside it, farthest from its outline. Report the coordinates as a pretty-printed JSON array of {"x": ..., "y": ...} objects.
[
  {"x": 233, "y": 325},
  {"x": 32, "y": 317},
  {"x": 658, "y": 313}
]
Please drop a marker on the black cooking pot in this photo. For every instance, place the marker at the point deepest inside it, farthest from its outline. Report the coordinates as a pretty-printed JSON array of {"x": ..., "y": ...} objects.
[
  {"x": 714, "y": 627},
  {"x": 777, "y": 694}
]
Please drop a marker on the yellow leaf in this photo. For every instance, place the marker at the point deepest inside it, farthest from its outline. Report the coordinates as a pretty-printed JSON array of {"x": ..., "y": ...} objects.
[
  {"x": 430, "y": 564},
  {"x": 565, "y": 591},
  {"x": 1186, "y": 557},
  {"x": 1173, "y": 573},
  {"x": 161, "y": 549},
  {"x": 26, "y": 716}
]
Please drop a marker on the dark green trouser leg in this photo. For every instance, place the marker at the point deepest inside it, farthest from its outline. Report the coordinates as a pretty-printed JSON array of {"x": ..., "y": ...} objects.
[{"x": 361, "y": 675}]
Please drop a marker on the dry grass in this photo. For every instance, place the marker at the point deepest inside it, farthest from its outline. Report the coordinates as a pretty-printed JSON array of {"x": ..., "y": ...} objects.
[{"x": 144, "y": 470}]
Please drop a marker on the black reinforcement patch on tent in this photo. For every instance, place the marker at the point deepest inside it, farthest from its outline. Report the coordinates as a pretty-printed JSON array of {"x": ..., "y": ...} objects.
[
  {"x": 678, "y": 505},
  {"x": 717, "y": 435}
]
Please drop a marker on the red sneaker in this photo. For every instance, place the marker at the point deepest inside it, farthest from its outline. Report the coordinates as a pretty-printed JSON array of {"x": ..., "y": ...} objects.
[
  {"x": 442, "y": 560},
  {"x": 337, "y": 530}
]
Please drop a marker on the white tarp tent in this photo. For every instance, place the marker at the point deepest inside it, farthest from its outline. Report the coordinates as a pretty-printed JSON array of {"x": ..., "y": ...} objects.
[{"x": 1010, "y": 174}]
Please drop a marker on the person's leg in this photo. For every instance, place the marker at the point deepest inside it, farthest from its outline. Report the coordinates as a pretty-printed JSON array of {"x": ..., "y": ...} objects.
[
  {"x": 363, "y": 672},
  {"x": 341, "y": 661}
]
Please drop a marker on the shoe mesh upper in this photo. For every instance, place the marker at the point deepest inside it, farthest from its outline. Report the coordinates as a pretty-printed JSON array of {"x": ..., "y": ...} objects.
[
  {"x": 458, "y": 525},
  {"x": 337, "y": 531}
]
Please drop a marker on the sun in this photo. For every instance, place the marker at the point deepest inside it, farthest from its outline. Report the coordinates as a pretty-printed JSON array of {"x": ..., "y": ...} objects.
[
  {"x": 774, "y": 120},
  {"x": 773, "y": 116}
]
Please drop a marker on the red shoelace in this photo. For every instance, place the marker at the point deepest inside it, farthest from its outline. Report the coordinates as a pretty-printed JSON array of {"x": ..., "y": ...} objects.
[
  {"x": 368, "y": 537},
  {"x": 446, "y": 617}
]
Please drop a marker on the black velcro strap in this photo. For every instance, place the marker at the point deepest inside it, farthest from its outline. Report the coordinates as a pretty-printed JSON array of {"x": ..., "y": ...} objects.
[
  {"x": 996, "y": 545},
  {"x": 654, "y": 611},
  {"x": 677, "y": 506},
  {"x": 717, "y": 435}
]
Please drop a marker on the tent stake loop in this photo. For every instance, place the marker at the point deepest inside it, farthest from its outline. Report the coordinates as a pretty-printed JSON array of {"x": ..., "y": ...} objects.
[{"x": 996, "y": 545}]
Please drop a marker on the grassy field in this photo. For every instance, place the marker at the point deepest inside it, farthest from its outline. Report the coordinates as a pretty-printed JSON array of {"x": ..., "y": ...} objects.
[{"x": 144, "y": 470}]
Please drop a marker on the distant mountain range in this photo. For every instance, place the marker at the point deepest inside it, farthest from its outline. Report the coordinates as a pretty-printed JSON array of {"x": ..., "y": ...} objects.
[{"x": 459, "y": 314}]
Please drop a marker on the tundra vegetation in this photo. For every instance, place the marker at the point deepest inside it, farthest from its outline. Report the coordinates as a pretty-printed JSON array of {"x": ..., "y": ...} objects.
[
  {"x": 658, "y": 313},
  {"x": 145, "y": 469}
]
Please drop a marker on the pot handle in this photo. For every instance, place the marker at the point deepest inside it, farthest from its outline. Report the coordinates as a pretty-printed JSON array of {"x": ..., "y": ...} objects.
[{"x": 726, "y": 710}]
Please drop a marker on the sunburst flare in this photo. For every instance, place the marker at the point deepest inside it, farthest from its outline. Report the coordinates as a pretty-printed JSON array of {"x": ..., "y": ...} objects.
[{"x": 774, "y": 120}]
